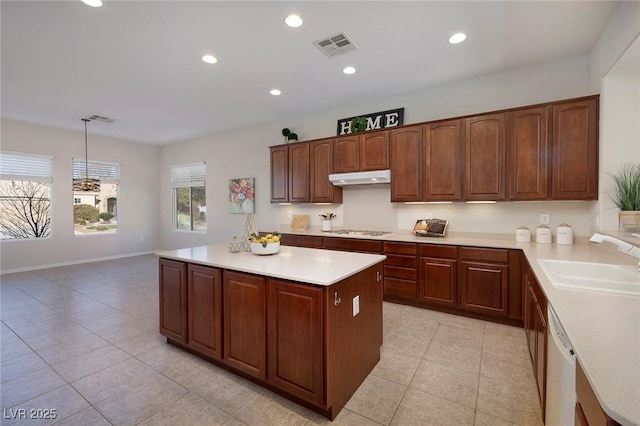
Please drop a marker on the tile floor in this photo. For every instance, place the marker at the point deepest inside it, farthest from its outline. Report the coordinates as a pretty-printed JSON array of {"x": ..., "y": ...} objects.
[{"x": 83, "y": 340}]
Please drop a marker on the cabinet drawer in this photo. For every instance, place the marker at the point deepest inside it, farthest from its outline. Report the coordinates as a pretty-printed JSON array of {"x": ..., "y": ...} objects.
[
  {"x": 492, "y": 255},
  {"x": 352, "y": 244},
  {"x": 301, "y": 241},
  {"x": 399, "y": 248},
  {"x": 438, "y": 251},
  {"x": 397, "y": 272},
  {"x": 404, "y": 289},
  {"x": 399, "y": 260}
]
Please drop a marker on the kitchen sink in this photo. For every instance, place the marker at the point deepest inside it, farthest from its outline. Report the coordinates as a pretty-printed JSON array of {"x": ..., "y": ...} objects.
[{"x": 621, "y": 279}]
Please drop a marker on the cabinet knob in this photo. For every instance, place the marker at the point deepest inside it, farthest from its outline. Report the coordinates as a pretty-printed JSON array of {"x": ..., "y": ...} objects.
[{"x": 336, "y": 299}]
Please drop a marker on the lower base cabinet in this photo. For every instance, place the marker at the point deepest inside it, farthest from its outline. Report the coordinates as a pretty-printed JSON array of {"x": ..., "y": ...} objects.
[
  {"x": 297, "y": 339},
  {"x": 588, "y": 410},
  {"x": 439, "y": 275}
]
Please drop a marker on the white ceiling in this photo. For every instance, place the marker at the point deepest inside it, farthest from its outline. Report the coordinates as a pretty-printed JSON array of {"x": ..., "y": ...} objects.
[{"x": 138, "y": 62}]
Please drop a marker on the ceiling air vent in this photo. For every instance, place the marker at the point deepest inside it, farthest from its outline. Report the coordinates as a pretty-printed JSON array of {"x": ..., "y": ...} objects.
[
  {"x": 334, "y": 45},
  {"x": 100, "y": 118}
]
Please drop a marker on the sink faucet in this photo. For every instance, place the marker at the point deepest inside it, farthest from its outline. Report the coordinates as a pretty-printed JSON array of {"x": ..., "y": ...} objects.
[{"x": 623, "y": 246}]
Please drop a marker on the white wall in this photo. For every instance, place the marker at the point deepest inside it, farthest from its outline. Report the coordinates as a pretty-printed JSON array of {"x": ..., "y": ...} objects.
[{"x": 137, "y": 197}]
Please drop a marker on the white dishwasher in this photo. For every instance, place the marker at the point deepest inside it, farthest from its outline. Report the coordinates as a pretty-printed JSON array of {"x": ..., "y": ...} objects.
[{"x": 561, "y": 375}]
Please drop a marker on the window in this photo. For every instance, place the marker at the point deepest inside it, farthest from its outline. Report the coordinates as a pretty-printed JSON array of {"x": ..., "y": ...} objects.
[
  {"x": 96, "y": 212},
  {"x": 189, "y": 195},
  {"x": 25, "y": 190}
]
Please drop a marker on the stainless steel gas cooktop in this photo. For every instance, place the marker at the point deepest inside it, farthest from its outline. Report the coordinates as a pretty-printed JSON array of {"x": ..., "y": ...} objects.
[{"x": 359, "y": 232}]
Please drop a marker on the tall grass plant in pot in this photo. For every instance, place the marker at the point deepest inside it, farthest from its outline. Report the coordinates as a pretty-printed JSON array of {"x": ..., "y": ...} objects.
[{"x": 625, "y": 194}]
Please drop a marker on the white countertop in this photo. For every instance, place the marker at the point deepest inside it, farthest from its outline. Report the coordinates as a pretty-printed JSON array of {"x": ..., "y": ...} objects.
[
  {"x": 312, "y": 266},
  {"x": 604, "y": 328}
]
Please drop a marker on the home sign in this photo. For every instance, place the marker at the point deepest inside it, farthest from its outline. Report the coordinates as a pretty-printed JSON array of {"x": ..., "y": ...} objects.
[{"x": 376, "y": 120}]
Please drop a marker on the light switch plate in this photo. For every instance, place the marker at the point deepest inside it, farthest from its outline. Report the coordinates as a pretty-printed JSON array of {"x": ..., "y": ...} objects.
[{"x": 356, "y": 305}]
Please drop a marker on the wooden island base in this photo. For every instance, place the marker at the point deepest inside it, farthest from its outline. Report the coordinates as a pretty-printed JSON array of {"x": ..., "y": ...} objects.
[{"x": 300, "y": 340}]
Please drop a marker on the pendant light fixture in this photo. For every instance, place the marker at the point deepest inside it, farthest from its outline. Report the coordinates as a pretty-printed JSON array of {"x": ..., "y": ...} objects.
[{"x": 86, "y": 184}]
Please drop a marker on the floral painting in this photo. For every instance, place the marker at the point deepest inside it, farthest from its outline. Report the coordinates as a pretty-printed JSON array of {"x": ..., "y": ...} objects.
[{"x": 241, "y": 195}]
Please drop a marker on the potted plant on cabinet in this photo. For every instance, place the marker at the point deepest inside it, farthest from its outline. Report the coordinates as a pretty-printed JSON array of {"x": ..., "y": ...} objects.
[
  {"x": 358, "y": 124},
  {"x": 625, "y": 194}
]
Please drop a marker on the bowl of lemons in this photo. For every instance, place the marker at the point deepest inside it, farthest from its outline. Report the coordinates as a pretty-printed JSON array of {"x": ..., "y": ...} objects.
[{"x": 265, "y": 244}]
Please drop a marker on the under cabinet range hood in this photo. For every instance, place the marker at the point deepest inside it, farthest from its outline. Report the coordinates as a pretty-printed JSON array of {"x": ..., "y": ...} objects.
[{"x": 361, "y": 178}]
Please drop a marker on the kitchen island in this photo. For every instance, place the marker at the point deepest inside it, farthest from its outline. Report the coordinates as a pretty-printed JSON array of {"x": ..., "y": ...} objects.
[{"x": 306, "y": 323}]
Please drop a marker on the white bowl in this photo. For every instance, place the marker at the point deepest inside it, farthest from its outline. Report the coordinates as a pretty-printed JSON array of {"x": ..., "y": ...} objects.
[{"x": 271, "y": 248}]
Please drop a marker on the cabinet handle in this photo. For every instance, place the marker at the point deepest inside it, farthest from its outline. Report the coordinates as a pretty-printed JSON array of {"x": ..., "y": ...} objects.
[
  {"x": 336, "y": 299},
  {"x": 378, "y": 276}
]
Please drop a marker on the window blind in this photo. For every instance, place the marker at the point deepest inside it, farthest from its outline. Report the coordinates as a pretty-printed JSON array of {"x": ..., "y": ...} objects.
[
  {"x": 105, "y": 171},
  {"x": 25, "y": 166},
  {"x": 189, "y": 175}
]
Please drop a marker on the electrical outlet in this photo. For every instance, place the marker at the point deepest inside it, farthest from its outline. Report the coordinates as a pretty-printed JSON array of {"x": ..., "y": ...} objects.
[
  {"x": 428, "y": 215},
  {"x": 289, "y": 214},
  {"x": 544, "y": 218},
  {"x": 356, "y": 305}
]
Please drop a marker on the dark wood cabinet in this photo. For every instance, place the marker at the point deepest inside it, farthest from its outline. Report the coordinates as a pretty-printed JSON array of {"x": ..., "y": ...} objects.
[
  {"x": 320, "y": 167},
  {"x": 575, "y": 150},
  {"x": 245, "y": 323},
  {"x": 400, "y": 270},
  {"x": 406, "y": 164},
  {"x": 439, "y": 274},
  {"x": 535, "y": 326},
  {"x": 204, "y": 306},
  {"x": 362, "y": 152},
  {"x": 588, "y": 410},
  {"x": 295, "y": 240},
  {"x": 173, "y": 299},
  {"x": 295, "y": 339},
  {"x": 484, "y": 157},
  {"x": 299, "y": 173},
  {"x": 442, "y": 152},
  {"x": 484, "y": 280},
  {"x": 528, "y": 153},
  {"x": 353, "y": 244},
  {"x": 279, "y": 174}
]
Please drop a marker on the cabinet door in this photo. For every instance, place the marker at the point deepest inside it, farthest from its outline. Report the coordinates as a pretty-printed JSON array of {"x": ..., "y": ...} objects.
[
  {"x": 279, "y": 174},
  {"x": 295, "y": 339},
  {"x": 527, "y": 154},
  {"x": 204, "y": 296},
  {"x": 321, "y": 166},
  {"x": 485, "y": 164},
  {"x": 484, "y": 287},
  {"x": 438, "y": 278},
  {"x": 530, "y": 303},
  {"x": 173, "y": 300},
  {"x": 442, "y": 151},
  {"x": 406, "y": 164},
  {"x": 245, "y": 323},
  {"x": 299, "y": 173},
  {"x": 347, "y": 154},
  {"x": 575, "y": 150},
  {"x": 541, "y": 355},
  {"x": 374, "y": 151}
]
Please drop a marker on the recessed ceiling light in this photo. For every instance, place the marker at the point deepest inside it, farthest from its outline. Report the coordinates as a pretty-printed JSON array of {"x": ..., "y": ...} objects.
[
  {"x": 349, "y": 70},
  {"x": 93, "y": 3},
  {"x": 210, "y": 59},
  {"x": 275, "y": 92},
  {"x": 294, "y": 21},
  {"x": 457, "y": 38}
]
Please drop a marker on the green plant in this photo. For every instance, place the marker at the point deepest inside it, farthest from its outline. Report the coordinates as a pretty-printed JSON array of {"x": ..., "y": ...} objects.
[
  {"x": 358, "y": 124},
  {"x": 626, "y": 187},
  {"x": 106, "y": 216},
  {"x": 289, "y": 135},
  {"x": 84, "y": 213}
]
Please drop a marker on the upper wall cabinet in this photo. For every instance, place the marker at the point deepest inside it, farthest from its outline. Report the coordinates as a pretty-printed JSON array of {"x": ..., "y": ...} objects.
[
  {"x": 279, "y": 174},
  {"x": 290, "y": 173},
  {"x": 528, "y": 152},
  {"x": 575, "y": 150},
  {"x": 362, "y": 152},
  {"x": 406, "y": 163},
  {"x": 485, "y": 166},
  {"x": 321, "y": 166},
  {"x": 442, "y": 151}
]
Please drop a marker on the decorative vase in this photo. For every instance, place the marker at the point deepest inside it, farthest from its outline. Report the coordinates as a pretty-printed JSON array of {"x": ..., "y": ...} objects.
[
  {"x": 235, "y": 245},
  {"x": 629, "y": 219},
  {"x": 326, "y": 225},
  {"x": 249, "y": 228}
]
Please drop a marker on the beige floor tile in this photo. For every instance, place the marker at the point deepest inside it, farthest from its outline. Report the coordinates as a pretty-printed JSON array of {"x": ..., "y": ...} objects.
[
  {"x": 446, "y": 382},
  {"x": 504, "y": 330},
  {"x": 271, "y": 409},
  {"x": 509, "y": 370},
  {"x": 515, "y": 347},
  {"x": 89, "y": 363},
  {"x": 376, "y": 399},
  {"x": 29, "y": 386},
  {"x": 346, "y": 417},
  {"x": 462, "y": 322},
  {"x": 508, "y": 402},
  {"x": 56, "y": 322},
  {"x": 483, "y": 419},
  {"x": 72, "y": 348},
  {"x": 87, "y": 417},
  {"x": 141, "y": 343},
  {"x": 21, "y": 316},
  {"x": 164, "y": 356},
  {"x": 8, "y": 336},
  {"x": 418, "y": 327},
  {"x": 460, "y": 338},
  {"x": 403, "y": 342},
  {"x": 50, "y": 408},
  {"x": 423, "y": 409},
  {"x": 56, "y": 337},
  {"x": 14, "y": 349},
  {"x": 15, "y": 367},
  {"x": 189, "y": 410},
  {"x": 467, "y": 359},
  {"x": 396, "y": 366}
]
